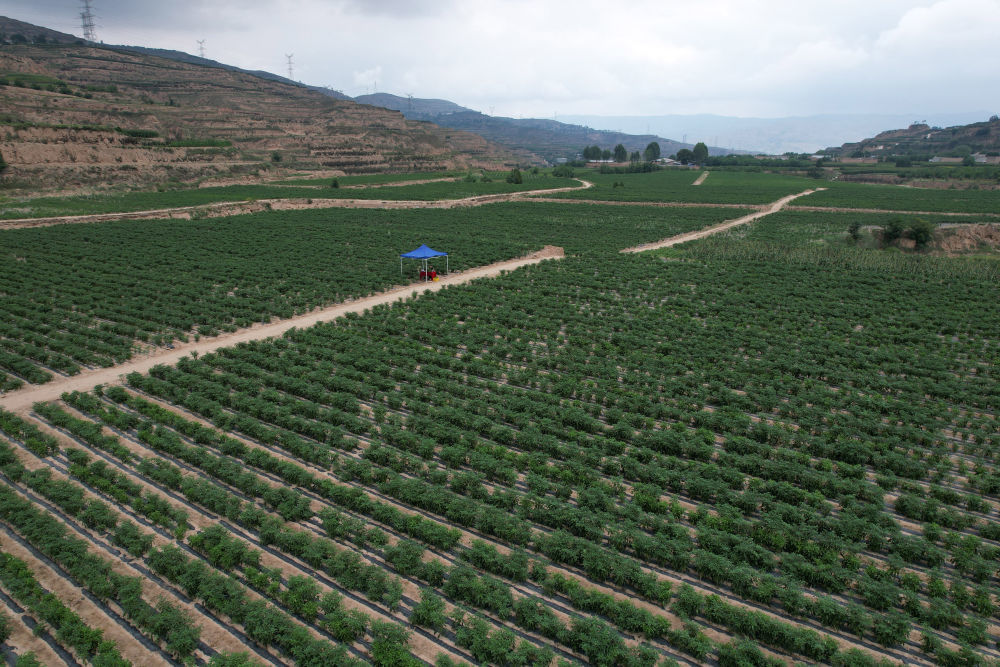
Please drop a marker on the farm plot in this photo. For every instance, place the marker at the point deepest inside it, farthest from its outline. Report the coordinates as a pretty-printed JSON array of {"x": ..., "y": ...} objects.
[
  {"x": 142, "y": 201},
  {"x": 895, "y": 198},
  {"x": 618, "y": 459},
  {"x": 78, "y": 296},
  {"x": 675, "y": 185}
]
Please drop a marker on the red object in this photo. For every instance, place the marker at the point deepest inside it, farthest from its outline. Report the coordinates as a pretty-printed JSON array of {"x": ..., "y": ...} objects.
[{"x": 434, "y": 274}]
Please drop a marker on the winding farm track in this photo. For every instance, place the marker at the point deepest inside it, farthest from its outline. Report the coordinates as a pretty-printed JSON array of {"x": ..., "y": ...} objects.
[{"x": 721, "y": 227}]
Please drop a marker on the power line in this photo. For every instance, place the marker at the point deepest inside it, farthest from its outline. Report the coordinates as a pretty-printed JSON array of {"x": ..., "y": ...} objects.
[
  {"x": 291, "y": 75},
  {"x": 201, "y": 48},
  {"x": 87, "y": 21}
]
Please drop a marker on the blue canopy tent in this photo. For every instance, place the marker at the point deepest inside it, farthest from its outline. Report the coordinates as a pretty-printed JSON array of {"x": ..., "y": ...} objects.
[{"x": 423, "y": 253}]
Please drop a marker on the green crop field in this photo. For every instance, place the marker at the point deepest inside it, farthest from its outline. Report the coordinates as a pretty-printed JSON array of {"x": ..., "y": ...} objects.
[
  {"x": 896, "y": 198},
  {"x": 82, "y": 295},
  {"x": 675, "y": 185},
  {"x": 369, "y": 179},
  {"x": 771, "y": 446},
  {"x": 143, "y": 201}
]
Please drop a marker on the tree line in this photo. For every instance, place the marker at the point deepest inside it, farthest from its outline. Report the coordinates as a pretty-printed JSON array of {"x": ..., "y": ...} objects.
[
  {"x": 621, "y": 154},
  {"x": 696, "y": 155}
]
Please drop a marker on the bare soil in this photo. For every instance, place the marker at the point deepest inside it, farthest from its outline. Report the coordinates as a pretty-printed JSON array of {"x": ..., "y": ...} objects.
[{"x": 961, "y": 239}]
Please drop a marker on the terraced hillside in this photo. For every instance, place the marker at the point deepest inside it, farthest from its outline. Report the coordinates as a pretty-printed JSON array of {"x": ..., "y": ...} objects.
[{"x": 76, "y": 115}]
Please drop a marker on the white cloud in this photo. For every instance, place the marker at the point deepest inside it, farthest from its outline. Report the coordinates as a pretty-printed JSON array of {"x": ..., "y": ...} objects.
[{"x": 536, "y": 57}]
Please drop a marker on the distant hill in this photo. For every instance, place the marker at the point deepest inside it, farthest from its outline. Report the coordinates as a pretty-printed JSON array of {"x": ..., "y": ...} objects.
[
  {"x": 183, "y": 57},
  {"x": 775, "y": 136},
  {"x": 920, "y": 139},
  {"x": 549, "y": 139},
  {"x": 13, "y": 31},
  {"x": 77, "y": 114},
  {"x": 410, "y": 106}
]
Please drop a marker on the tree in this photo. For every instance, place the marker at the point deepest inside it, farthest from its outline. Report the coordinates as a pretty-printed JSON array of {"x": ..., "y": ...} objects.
[
  {"x": 922, "y": 231},
  {"x": 855, "y": 231},
  {"x": 592, "y": 153},
  {"x": 620, "y": 153},
  {"x": 685, "y": 156},
  {"x": 636, "y": 156},
  {"x": 3, "y": 164},
  {"x": 652, "y": 151},
  {"x": 892, "y": 231},
  {"x": 606, "y": 154},
  {"x": 700, "y": 152},
  {"x": 515, "y": 176}
]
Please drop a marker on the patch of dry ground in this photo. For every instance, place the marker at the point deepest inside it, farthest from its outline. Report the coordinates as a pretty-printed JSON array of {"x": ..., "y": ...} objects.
[{"x": 961, "y": 239}]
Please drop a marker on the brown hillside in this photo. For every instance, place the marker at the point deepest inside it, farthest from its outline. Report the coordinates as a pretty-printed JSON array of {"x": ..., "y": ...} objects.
[
  {"x": 73, "y": 116},
  {"x": 921, "y": 139}
]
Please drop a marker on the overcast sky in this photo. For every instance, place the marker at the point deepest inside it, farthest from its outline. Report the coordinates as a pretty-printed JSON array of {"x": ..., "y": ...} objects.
[{"x": 540, "y": 58}]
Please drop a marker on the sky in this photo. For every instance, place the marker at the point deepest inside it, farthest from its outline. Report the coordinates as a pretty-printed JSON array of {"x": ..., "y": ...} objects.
[{"x": 540, "y": 58}]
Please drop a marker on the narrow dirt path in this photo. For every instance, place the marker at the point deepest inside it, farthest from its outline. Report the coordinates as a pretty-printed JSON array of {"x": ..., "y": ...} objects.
[
  {"x": 364, "y": 186},
  {"x": 701, "y": 178},
  {"x": 225, "y": 209},
  {"x": 715, "y": 229},
  {"x": 21, "y": 400}
]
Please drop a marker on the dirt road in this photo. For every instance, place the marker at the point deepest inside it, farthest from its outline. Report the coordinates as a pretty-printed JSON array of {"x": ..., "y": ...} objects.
[{"x": 715, "y": 229}]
